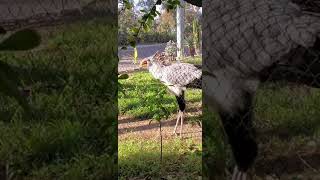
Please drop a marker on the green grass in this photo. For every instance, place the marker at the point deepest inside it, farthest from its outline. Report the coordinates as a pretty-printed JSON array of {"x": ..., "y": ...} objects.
[
  {"x": 286, "y": 121},
  {"x": 193, "y": 60},
  {"x": 73, "y": 78},
  {"x": 141, "y": 159},
  {"x": 140, "y": 88}
]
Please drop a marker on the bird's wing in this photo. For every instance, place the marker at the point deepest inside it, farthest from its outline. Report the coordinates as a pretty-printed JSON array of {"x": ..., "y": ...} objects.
[
  {"x": 250, "y": 35},
  {"x": 180, "y": 74},
  {"x": 198, "y": 66}
]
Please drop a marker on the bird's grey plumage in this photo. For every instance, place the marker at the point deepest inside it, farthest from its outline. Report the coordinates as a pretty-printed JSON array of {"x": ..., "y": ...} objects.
[
  {"x": 177, "y": 77},
  {"x": 241, "y": 40},
  {"x": 180, "y": 74},
  {"x": 249, "y": 35}
]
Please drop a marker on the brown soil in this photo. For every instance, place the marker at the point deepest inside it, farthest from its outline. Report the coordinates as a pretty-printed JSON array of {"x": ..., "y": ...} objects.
[
  {"x": 131, "y": 128},
  {"x": 304, "y": 164}
]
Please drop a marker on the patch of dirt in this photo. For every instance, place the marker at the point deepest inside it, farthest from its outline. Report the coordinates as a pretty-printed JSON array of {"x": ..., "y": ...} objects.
[
  {"x": 290, "y": 163},
  {"x": 132, "y": 128}
]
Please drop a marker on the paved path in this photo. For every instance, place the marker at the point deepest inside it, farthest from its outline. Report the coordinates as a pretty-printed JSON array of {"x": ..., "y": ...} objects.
[{"x": 126, "y": 56}]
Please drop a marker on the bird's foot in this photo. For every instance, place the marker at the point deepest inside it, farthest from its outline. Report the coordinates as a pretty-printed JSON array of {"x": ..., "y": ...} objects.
[
  {"x": 175, "y": 127},
  {"x": 239, "y": 175},
  {"x": 200, "y": 124},
  {"x": 179, "y": 118},
  {"x": 175, "y": 132}
]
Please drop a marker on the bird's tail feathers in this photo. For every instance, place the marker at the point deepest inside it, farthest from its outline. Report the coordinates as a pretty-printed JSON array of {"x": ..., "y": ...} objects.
[
  {"x": 196, "y": 84},
  {"x": 198, "y": 66}
]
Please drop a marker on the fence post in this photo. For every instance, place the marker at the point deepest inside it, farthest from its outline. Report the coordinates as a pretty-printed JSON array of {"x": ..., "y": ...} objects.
[{"x": 180, "y": 30}]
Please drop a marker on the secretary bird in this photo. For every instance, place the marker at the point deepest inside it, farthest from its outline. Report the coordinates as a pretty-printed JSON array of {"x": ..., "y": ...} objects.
[
  {"x": 246, "y": 43},
  {"x": 177, "y": 77}
]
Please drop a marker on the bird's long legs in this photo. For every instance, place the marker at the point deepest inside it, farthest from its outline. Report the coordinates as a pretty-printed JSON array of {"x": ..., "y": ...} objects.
[
  {"x": 182, "y": 107},
  {"x": 238, "y": 175},
  {"x": 241, "y": 135},
  {"x": 180, "y": 118}
]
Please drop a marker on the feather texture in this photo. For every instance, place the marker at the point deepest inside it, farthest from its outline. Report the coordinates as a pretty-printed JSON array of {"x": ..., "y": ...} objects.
[
  {"x": 250, "y": 35},
  {"x": 178, "y": 75},
  {"x": 243, "y": 39}
]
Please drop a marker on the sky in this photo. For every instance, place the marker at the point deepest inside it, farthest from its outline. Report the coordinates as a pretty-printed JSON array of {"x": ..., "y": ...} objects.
[{"x": 138, "y": 8}]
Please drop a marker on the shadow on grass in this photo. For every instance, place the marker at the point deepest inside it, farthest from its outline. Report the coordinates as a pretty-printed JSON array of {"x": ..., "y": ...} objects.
[
  {"x": 146, "y": 116},
  {"x": 131, "y": 120},
  {"x": 290, "y": 163},
  {"x": 153, "y": 125},
  {"x": 289, "y": 132}
]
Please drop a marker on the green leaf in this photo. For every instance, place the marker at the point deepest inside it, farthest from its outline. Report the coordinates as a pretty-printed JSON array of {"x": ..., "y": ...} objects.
[
  {"x": 135, "y": 30},
  {"x": 153, "y": 13},
  {"x": 132, "y": 41},
  {"x": 143, "y": 10},
  {"x": 25, "y": 39},
  {"x": 150, "y": 20},
  {"x": 127, "y": 4},
  {"x": 123, "y": 76},
  {"x": 145, "y": 17},
  {"x": 146, "y": 27},
  {"x": 135, "y": 55}
]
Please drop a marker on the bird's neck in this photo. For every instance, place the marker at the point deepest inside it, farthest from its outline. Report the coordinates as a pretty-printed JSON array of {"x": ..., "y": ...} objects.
[{"x": 156, "y": 70}]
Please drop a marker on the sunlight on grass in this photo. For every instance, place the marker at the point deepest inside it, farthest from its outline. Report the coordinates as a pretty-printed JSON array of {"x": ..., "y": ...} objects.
[
  {"x": 141, "y": 86},
  {"x": 193, "y": 60},
  {"x": 138, "y": 158}
]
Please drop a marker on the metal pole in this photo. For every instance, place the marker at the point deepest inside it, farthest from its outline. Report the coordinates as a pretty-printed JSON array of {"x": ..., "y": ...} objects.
[{"x": 180, "y": 30}]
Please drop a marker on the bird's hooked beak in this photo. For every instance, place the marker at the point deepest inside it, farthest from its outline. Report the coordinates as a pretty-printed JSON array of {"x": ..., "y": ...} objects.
[{"x": 144, "y": 63}]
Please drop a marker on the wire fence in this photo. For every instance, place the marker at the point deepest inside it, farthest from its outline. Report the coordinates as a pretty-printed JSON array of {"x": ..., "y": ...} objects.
[
  {"x": 250, "y": 42},
  {"x": 19, "y": 13},
  {"x": 59, "y": 58}
]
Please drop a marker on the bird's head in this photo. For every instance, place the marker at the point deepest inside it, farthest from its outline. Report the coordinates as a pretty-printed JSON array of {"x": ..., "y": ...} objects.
[{"x": 146, "y": 62}]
